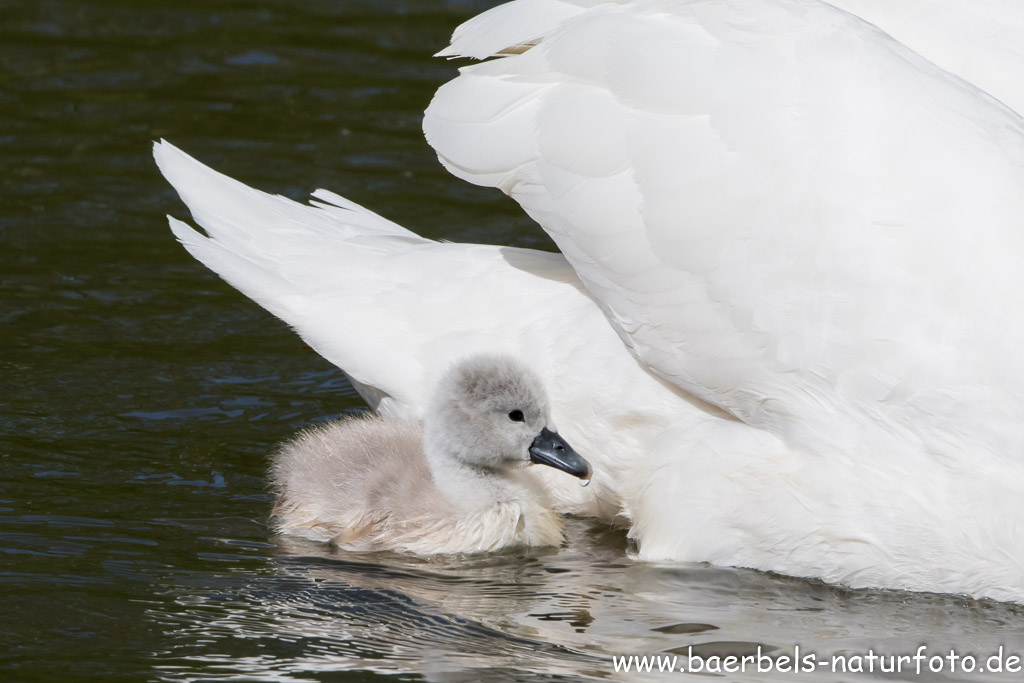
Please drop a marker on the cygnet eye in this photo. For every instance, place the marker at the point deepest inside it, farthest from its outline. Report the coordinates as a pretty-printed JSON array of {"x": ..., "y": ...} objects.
[{"x": 516, "y": 416}]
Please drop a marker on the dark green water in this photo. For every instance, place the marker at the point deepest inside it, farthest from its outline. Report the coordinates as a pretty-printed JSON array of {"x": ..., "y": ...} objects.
[{"x": 141, "y": 394}]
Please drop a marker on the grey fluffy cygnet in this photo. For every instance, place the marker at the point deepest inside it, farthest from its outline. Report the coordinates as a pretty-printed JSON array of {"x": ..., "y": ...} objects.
[{"x": 454, "y": 483}]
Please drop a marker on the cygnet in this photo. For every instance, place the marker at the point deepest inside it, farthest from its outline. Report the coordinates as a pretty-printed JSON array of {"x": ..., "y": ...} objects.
[{"x": 454, "y": 483}]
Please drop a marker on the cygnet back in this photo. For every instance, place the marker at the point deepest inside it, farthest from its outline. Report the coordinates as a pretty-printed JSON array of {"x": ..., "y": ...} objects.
[{"x": 337, "y": 481}]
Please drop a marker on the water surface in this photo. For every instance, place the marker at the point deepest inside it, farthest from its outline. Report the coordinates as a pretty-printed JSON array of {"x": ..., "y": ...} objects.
[{"x": 142, "y": 395}]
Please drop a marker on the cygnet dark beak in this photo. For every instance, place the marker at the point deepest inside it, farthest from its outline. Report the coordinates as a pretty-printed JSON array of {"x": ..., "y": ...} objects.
[{"x": 550, "y": 449}]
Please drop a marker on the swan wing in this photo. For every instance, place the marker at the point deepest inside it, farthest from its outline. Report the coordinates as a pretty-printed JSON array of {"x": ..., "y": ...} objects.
[
  {"x": 393, "y": 310},
  {"x": 981, "y": 41},
  {"x": 380, "y": 302},
  {"x": 778, "y": 207}
]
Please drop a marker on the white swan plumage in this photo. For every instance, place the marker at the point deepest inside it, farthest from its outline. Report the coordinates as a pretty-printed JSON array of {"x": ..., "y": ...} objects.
[
  {"x": 798, "y": 241},
  {"x": 977, "y": 40}
]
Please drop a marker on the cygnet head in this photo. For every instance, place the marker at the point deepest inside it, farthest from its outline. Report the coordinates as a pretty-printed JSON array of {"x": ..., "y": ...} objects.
[{"x": 491, "y": 413}]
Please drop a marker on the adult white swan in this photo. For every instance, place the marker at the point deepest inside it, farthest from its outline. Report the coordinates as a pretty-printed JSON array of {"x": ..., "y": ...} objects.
[{"x": 807, "y": 232}]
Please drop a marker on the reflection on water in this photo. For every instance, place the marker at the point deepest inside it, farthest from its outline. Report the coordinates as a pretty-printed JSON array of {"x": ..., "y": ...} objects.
[
  {"x": 141, "y": 394},
  {"x": 321, "y": 610},
  {"x": 562, "y": 612}
]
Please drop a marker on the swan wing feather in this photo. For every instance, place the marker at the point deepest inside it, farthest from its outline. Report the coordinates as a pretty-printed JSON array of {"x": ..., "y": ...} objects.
[{"x": 778, "y": 207}]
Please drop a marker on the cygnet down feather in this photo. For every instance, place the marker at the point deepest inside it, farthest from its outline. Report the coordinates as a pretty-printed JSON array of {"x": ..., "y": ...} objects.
[{"x": 454, "y": 483}]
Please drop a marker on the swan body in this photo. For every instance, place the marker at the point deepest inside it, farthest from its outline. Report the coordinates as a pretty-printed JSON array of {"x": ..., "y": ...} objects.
[
  {"x": 792, "y": 243},
  {"x": 452, "y": 485},
  {"x": 790, "y": 215}
]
